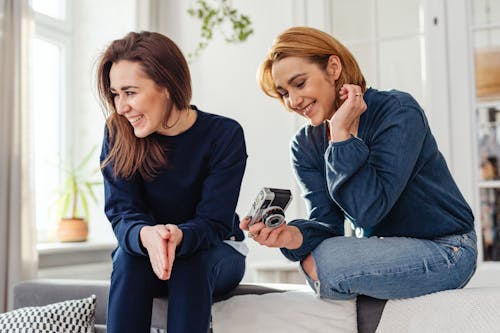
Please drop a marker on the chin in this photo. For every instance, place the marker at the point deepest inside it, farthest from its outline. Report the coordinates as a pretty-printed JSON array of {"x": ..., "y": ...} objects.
[
  {"x": 140, "y": 134},
  {"x": 315, "y": 122}
]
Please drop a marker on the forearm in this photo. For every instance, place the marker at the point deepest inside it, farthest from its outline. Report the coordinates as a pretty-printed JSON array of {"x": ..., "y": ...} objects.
[{"x": 312, "y": 233}]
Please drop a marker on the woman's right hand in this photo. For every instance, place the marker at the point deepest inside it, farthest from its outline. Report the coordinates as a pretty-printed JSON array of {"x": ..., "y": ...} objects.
[
  {"x": 155, "y": 239},
  {"x": 285, "y": 236},
  {"x": 345, "y": 120}
]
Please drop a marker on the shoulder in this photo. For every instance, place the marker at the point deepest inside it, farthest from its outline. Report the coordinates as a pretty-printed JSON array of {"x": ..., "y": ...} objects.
[
  {"x": 392, "y": 104},
  {"x": 393, "y": 97},
  {"x": 215, "y": 121},
  {"x": 219, "y": 130}
]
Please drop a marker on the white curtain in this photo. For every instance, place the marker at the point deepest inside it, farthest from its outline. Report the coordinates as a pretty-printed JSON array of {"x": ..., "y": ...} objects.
[{"x": 18, "y": 256}]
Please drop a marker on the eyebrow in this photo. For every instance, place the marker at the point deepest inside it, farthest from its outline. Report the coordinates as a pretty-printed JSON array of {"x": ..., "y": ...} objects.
[
  {"x": 290, "y": 80},
  {"x": 123, "y": 88}
]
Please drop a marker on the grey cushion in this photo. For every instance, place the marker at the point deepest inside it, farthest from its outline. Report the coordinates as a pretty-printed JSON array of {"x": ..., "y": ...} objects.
[
  {"x": 47, "y": 291},
  {"x": 75, "y": 315}
]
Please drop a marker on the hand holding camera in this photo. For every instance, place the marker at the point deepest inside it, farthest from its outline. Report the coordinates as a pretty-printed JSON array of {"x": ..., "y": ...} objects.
[{"x": 269, "y": 207}]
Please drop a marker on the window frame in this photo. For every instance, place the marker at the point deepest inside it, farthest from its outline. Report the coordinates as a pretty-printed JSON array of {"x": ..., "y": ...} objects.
[{"x": 58, "y": 32}]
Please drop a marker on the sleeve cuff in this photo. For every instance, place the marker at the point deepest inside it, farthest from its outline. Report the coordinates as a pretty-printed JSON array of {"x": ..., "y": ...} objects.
[
  {"x": 134, "y": 240},
  {"x": 185, "y": 246},
  {"x": 313, "y": 233}
]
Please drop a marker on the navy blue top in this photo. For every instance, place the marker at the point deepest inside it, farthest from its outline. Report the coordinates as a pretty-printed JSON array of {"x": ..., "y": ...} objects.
[
  {"x": 391, "y": 180},
  {"x": 197, "y": 191}
]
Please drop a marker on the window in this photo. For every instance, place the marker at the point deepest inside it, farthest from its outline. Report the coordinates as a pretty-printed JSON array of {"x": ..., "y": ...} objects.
[
  {"x": 401, "y": 45},
  {"x": 49, "y": 78},
  {"x": 67, "y": 119},
  {"x": 51, "y": 8}
]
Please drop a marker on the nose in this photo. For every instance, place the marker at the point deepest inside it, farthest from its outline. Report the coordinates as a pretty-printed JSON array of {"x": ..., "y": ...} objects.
[
  {"x": 121, "y": 105},
  {"x": 294, "y": 100}
]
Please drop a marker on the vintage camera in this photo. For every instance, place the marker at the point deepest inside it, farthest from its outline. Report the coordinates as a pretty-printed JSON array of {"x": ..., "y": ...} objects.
[{"x": 269, "y": 207}]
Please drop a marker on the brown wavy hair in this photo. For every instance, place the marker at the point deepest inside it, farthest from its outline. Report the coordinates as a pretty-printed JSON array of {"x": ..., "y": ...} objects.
[
  {"x": 316, "y": 46},
  {"x": 163, "y": 62}
]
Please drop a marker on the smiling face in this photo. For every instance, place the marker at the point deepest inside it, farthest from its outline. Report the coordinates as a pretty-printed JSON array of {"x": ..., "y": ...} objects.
[
  {"x": 138, "y": 98},
  {"x": 306, "y": 88}
]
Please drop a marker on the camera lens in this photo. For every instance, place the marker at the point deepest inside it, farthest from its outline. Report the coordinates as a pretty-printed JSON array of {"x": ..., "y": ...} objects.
[{"x": 273, "y": 217}]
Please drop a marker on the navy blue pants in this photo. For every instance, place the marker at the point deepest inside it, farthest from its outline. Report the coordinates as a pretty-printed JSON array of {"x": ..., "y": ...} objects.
[{"x": 192, "y": 284}]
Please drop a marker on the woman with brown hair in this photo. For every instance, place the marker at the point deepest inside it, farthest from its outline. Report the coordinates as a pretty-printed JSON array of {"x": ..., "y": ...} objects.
[
  {"x": 172, "y": 176},
  {"x": 367, "y": 157}
]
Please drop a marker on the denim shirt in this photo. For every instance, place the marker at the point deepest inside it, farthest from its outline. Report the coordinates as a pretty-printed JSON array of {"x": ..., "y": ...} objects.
[{"x": 391, "y": 180}]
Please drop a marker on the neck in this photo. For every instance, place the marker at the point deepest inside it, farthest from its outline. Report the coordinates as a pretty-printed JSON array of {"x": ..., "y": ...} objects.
[{"x": 183, "y": 121}]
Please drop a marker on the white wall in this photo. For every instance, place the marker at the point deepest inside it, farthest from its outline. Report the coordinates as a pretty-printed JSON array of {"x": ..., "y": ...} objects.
[{"x": 224, "y": 82}]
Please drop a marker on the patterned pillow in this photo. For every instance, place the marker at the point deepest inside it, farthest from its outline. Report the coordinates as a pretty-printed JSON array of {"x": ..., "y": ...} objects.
[{"x": 75, "y": 316}]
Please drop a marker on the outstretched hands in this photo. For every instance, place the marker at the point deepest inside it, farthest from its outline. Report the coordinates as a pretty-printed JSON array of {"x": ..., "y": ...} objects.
[
  {"x": 161, "y": 241},
  {"x": 286, "y": 236}
]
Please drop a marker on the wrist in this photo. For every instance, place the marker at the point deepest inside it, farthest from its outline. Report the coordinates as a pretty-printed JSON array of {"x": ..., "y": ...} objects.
[
  {"x": 143, "y": 234},
  {"x": 296, "y": 238},
  {"x": 339, "y": 135},
  {"x": 181, "y": 235}
]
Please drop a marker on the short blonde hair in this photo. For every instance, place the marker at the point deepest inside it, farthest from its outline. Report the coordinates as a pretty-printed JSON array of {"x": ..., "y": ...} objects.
[{"x": 316, "y": 46}]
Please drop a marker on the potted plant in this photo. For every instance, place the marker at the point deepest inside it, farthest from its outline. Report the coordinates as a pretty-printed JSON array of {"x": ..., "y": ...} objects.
[{"x": 76, "y": 189}]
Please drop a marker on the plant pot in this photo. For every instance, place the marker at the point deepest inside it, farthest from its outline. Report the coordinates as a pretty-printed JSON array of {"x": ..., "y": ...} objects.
[{"x": 72, "y": 230}]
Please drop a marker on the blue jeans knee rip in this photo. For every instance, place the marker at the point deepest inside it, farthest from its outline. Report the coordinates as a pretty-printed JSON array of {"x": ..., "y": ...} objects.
[
  {"x": 315, "y": 285},
  {"x": 454, "y": 246}
]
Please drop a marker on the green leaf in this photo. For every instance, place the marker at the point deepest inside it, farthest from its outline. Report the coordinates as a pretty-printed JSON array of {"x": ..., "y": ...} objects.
[
  {"x": 85, "y": 206},
  {"x": 77, "y": 186},
  {"x": 214, "y": 19}
]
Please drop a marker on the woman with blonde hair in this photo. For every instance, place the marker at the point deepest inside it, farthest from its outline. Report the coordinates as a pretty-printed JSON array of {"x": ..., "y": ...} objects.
[
  {"x": 367, "y": 157},
  {"x": 172, "y": 176}
]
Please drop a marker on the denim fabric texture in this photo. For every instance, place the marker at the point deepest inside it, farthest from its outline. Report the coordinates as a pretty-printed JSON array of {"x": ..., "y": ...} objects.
[
  {"x": 390, "y": 180},
  {"x": 392, "y": 267}
]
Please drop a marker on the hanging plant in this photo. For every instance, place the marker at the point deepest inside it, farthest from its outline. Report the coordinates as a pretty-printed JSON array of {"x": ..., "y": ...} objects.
[{"x": 222, "y": 17}]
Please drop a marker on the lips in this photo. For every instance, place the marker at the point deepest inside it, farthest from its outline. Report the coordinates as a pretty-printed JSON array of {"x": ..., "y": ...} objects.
[
  {"x": 308, "y": 109},
  {"x": 134, "y": 120}
]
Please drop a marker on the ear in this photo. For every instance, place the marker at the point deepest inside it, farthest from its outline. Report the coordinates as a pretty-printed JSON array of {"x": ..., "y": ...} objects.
[
  {"x": 334, "y": 67},
  {"x": 165, "y": 92}
]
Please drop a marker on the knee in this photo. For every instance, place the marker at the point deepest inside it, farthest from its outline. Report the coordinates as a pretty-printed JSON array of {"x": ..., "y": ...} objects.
[
  {"x": 309, "y": 267},
  {"x": 129, "y": 266},
  {"x": 191, "y": 269}
]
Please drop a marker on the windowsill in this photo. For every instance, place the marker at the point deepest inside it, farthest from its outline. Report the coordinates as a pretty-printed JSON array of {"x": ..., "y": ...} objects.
[
  {"x": 89, "y": 245},
  {"x": 77, "y": 253}
]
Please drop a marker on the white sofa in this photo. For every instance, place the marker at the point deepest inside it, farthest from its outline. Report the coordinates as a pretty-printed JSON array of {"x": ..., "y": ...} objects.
[{"x": 293, "y": 308}]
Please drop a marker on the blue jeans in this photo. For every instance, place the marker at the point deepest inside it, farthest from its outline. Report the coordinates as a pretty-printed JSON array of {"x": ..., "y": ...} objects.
[
  {"x": 392, "y": 267},
  {"x": 192, "y": 284}
]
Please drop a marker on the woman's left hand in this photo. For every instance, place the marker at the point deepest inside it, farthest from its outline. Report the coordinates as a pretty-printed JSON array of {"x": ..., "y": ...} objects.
[
  {"x": 345, "y": 120},
  {"x": 173, "y": 240}
]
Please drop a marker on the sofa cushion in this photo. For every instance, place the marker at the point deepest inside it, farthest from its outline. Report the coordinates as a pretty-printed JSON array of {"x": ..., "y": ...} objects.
[
  {"x": 46, "y": 291},
  {"x": 287, "y": 312},
  {"x": 463, "y": 310},
  {"x": 160, "y": 305},
  {"x": 69, "y": 316}
]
